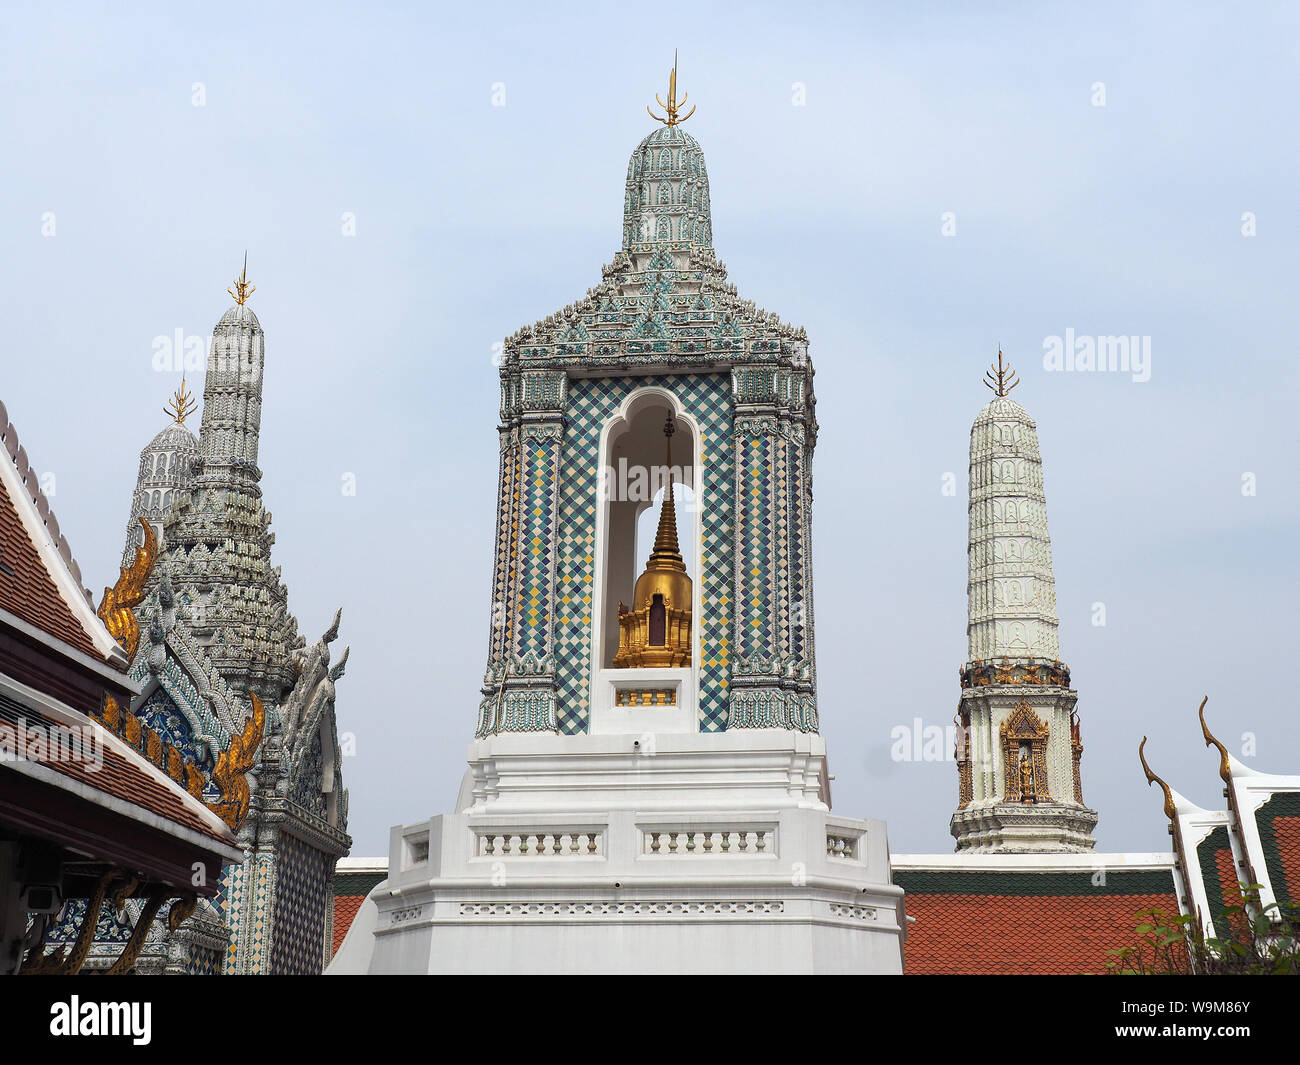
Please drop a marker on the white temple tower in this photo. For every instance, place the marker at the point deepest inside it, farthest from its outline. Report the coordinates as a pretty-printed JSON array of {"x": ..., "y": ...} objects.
[
  {"x": 1019, "y": 744},
  {"x": 647, "y": 789}
]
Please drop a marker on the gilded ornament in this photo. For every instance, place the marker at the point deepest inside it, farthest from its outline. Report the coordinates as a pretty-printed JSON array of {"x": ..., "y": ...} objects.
[
  {"x": 233, "y": 764},
  {"x": 242, "y": 289},
  {"x": 1170, "y": 809},
  {"x": 116, "y": 609},
  {"x": 672, "y": 107}
]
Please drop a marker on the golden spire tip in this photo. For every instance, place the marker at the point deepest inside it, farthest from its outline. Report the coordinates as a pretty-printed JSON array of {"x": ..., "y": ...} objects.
[
  {"x": 673, "y": 107},
  {"x": 242, "y": 289},
  {"x": 181, "y": 405}
]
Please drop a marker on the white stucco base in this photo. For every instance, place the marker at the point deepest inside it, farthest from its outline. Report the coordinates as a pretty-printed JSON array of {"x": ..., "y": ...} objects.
[{"x": 587, "y": 854}]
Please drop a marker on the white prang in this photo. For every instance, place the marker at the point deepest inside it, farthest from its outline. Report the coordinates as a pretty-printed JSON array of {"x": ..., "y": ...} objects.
[
  {"x": 1012, "y": 595},
  {"x": 1014, "y": 653}
]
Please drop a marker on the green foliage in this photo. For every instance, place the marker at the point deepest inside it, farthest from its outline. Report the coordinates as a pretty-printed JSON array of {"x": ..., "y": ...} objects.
[{"x": 1254, "y": 940}]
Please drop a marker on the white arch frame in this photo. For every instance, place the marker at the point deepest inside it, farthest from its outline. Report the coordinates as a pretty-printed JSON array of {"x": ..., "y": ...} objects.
[{"x": 603, "y": 717}]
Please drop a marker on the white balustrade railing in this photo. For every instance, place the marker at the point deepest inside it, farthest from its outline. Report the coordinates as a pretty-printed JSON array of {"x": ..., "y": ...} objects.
[
  {"x": 543, "y": 844},
  {"x": 713, "y": 841}
]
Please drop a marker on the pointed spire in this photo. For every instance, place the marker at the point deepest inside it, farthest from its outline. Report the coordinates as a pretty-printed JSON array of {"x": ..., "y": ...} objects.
[
  {"x": 672, "y": 107},
  {"x": 1001, "y": 379},
  {"x": 181, "y": 405},
  {"x": 242, "y": 289},
  {"x": 666, "y": 550}
]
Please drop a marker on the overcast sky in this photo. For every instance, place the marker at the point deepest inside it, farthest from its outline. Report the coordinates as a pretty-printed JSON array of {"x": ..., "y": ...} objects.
[{"x": 473, "y": 219}]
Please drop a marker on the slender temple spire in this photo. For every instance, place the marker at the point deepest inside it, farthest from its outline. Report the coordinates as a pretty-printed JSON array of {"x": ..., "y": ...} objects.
[{"x": 666, "y": 552}]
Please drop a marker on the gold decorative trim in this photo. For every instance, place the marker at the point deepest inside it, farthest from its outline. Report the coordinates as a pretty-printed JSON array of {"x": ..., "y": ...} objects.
[
  {"x": 980, "y": 674},
  {"x": 1076, "y": 751},
  {"x": 645, "y": 697}
]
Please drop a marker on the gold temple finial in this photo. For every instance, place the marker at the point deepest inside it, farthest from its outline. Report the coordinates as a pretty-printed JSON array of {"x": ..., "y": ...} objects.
[
  {"x": 1001, "y": 379},
  {"x": 1170, "y": 810},
  {"x": 1225, "y": 763},
  {"x": 672, "y": 107},
  {"x": 181, "y": 405},
  {"x": 242, "y": 289}
]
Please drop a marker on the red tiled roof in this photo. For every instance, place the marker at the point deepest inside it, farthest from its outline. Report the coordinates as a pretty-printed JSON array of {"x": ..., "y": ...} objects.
[
  {"x": 120, "y": 776},
  {"x": 30, "y": 592},
  {"x": 1041, "y": 935},
  {"x": 345, "y": 912},
  {"x": 1287, "y": 833},
  {"x": 1039, "y": 921}
]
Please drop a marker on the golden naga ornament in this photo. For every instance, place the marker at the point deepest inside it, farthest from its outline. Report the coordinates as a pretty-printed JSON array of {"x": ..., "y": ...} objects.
[
  {"x": 656, "y": 632},
  {"x": 1171, "y": 811},
  {"x": 233, "y": 764},
  {"x": 117, "y": 608},
  {"x": 1225, "y": 762},
  {"x": 672, "y": 107}
]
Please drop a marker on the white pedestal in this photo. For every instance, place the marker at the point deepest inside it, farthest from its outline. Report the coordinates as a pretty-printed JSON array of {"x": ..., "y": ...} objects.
[{"x": 592, "y": 854}]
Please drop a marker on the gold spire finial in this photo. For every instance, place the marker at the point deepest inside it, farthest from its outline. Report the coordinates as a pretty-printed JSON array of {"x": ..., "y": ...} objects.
[
  {"x": 1001, "y": 379},
  {"x": 242, "y": 289},
  {"x": 181, "y": 405},
  {"x": 672, "y": 107},
  {"x": 1225, "y": 762},
  {"x": 1170, "y": 810}
]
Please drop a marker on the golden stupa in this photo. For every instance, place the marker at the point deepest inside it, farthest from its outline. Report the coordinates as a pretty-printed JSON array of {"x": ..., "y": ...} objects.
[{"x": 656, "y": 632}]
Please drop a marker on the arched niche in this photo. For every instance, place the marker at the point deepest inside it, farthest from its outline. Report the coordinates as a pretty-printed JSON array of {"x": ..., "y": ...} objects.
[{"x": 634, "y": 472}]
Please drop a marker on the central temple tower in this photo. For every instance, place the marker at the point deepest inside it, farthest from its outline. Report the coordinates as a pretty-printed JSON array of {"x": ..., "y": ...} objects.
[{"x": 647, "y": 789}]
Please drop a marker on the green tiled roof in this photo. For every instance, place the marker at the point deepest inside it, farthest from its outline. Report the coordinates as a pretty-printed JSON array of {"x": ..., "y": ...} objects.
[{"x": 1056, "y": 882}]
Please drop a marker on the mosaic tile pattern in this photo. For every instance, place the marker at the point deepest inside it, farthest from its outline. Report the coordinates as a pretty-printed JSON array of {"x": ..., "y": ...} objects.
[
  {"x": 592, "y": 402},
  {"x": 507, "y": 551},
  {"x": 754, "y": 457},
  {"x": 302, "y": 899},
  {"x": 202, "y": 962},
  {"x": 538, "y": 549}
]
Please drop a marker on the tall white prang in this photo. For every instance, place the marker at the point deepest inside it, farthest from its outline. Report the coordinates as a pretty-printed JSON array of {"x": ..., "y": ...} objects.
[{"x": 1019, "y": 743}]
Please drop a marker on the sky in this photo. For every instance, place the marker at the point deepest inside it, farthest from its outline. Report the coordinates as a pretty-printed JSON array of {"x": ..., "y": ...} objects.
[{"x": 914, "y": 184}]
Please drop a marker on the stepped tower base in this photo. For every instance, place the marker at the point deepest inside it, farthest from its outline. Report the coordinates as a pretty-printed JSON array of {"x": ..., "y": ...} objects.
[
  {"x": 589, "y": 854},
  {"x": 1013, "y": 828}
]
